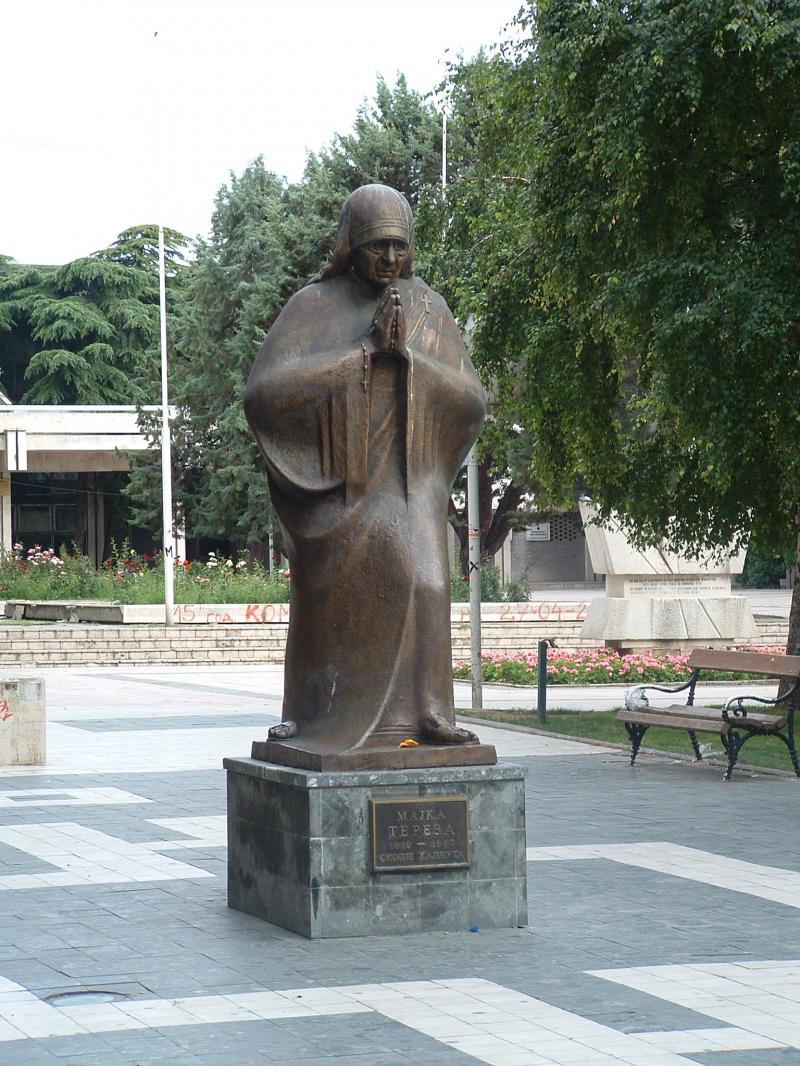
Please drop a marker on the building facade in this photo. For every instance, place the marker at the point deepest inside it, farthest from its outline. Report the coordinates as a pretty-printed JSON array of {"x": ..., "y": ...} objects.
[{"x": 57, "y": 461}]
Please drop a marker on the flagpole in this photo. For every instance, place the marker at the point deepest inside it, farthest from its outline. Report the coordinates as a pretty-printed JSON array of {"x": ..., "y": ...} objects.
[
  {"x": 444, "y": 148},
  {"x": 473, "y": 523},
  {"x": 166, "y": 444},
  {"x": 166, "y": 439}
]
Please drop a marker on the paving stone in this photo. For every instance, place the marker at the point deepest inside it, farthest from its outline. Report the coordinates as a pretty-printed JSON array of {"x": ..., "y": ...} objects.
[{"x": 175, "y": 939}]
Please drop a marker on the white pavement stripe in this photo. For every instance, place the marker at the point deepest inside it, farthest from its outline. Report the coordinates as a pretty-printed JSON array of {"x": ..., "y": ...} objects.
[
  {"x": 501, "y": 1027},
  {"x": 67, "y": 797},
  {"x": 693, "y": 1041},
  {"x": 210, "y": 831},
  {"x": 759, "y": 997},
  {"x": 141, "y": 751},
  {"x": 766, "y": 882},
  {"x": 146, "y": 751},
  {"x": 490, "y": 1023},
  {"x": 23, "y": 1015},
  {"x": 493, "y": 1024},
  {"x": 511, "y": 744},
  {"x": 84, "y": 856}
]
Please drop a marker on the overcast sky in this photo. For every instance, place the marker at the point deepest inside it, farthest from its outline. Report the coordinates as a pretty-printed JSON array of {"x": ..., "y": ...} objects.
[{"x": 238, "y": 79}]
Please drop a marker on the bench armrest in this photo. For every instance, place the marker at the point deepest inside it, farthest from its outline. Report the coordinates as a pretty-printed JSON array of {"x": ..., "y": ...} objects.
[
  {"x": 735, "y": 703},
  {"x": 635, "y": 698}
]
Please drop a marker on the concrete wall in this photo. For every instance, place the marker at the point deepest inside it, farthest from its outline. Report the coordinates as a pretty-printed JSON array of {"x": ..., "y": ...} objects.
[{"x": 97, "y": 645}]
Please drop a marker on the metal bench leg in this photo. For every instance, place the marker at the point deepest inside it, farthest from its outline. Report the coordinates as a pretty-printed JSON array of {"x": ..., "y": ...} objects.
[
  {"x": 732, "y": 743},
  {"x": 789, "y": 742},
  {"x": 793, "y": 756},
  {"x": 791, "y": 745},
  {"x": 697, "y": 753},
  {"x": 636, "y": 732}
]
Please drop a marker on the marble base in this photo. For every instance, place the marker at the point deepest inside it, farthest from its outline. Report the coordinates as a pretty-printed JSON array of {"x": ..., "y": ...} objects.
[
  {"x": 299, "y": 851},
  {"x": 633, "y": 622},
  {"x": 23, "y": 724}
]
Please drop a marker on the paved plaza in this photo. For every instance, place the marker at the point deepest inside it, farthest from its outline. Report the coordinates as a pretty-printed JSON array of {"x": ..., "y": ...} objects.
[{"x": 664, "y": 907}]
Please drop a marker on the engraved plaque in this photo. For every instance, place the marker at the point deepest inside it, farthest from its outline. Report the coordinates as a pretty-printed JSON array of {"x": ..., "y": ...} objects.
[{"x": 427, "y": 833}]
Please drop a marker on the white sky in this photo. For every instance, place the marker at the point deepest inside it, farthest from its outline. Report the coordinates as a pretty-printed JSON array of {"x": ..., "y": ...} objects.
[{"x": 240, "y": 79}]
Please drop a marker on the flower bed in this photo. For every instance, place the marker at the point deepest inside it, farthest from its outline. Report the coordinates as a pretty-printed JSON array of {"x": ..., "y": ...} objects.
[
  {"x": 128, "y": 577},
  {"x": 595, "y": 666}
]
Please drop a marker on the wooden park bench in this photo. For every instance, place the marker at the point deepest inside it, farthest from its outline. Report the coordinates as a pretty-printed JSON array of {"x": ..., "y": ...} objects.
[{"x": 734, "y": 723}]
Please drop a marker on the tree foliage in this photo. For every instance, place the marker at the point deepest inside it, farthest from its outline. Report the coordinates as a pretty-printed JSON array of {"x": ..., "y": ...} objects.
[
  {"x": 84, "y": 332},
  {"x": 466, "y": 232},
  {"x": 641, "y": 258},
  {"x": 234, "y": 289},
  {"x": 268, "y": 238}
]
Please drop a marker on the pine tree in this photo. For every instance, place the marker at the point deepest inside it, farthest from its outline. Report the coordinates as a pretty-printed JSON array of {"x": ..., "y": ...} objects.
[
  {"x": 86, "y": 332},
  {"x": 234, "y": 289}
]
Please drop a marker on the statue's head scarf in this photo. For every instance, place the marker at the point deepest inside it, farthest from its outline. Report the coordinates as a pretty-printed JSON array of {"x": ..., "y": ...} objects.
[{"x": 371, "y": 213}]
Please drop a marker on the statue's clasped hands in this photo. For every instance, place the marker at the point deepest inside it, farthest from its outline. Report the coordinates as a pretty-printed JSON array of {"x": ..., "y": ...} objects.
[{"x": 389, "y": 325}]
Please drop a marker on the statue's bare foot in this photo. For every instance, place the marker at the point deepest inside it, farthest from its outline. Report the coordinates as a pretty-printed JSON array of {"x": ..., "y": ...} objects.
[
  {"x": 435, "y": 728},
  {"x": 284, "y": 731}
]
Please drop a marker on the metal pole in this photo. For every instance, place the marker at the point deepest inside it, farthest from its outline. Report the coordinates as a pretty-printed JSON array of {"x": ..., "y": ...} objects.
[
  {"x": 444, "y": 148},
  {"x": 474, "y": 531},
  {"x": 166, "y": 442},
  {"x": 166, "y": 445},
  {"x": 541, "y": 684}
]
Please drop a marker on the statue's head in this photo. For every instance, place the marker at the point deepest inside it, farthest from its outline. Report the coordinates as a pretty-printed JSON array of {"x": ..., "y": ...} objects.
[{"x": 376, "y": 237}]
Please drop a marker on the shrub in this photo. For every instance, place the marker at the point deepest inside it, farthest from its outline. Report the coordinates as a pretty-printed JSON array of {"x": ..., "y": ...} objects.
[{"x": 492, "y": 588}]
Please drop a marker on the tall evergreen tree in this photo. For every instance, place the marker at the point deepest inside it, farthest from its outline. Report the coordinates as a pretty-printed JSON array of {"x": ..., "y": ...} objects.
[
  {"x": 267, "y": 240},
  {"x": 86, "y": 332},
  {"x": 234, "y": 289}
]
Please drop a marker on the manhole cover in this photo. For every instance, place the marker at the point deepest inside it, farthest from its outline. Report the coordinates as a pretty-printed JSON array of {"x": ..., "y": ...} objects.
[{"x": 85, "y": 995}]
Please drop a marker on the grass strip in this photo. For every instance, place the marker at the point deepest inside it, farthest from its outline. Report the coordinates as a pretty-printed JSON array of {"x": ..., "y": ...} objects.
[{"x": 769, "y": 752}]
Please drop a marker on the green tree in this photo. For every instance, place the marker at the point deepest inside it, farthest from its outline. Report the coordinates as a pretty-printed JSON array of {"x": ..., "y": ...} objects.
[
  {"x": 267, "y": 240},
  {"x": 453, "y": 228},
  {"x": 641, "y": 257},
  {"x": 396, "y": 140},
  {"x": 85, "y": 332},
  {"x": 233, "y": 290}
]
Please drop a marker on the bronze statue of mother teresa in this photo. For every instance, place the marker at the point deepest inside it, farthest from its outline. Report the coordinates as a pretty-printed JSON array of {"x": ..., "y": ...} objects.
[{"x": 364, "y": 403}]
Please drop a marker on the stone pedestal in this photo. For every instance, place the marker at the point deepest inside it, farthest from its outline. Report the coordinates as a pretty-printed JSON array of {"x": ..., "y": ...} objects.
[
  {"x": 658, "y": 599},
  {"x": 318, "y": 853},
  {"x": 22, "y": 722}
]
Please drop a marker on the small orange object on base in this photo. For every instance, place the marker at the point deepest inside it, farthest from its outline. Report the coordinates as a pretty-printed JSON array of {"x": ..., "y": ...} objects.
[{"x": 408, "y": 743}]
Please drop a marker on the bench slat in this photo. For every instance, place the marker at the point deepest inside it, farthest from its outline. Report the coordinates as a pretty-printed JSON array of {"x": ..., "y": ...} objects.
[
  {"x": 698, "y": 725},
  {"x": 713, "y": 712},
  {"x": 671, "y": 716},
  {"x": 751, "y": 662}
]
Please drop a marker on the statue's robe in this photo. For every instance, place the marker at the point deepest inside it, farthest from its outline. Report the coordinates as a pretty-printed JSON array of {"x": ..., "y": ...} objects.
[{"x": 362, "y": 450}]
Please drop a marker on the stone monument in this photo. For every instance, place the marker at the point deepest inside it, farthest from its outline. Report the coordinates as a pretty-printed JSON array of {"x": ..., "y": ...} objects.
[
  {"x": 660, "y": 599},
  {"x": 367, "y": 809},
  {"x": 23, "y": 722}
]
